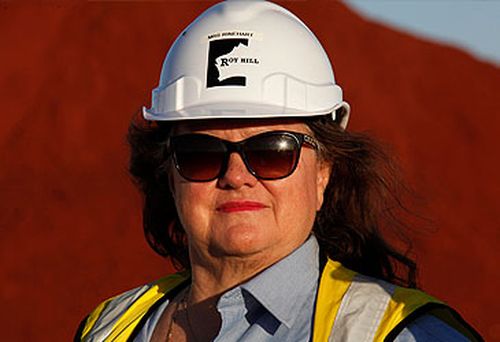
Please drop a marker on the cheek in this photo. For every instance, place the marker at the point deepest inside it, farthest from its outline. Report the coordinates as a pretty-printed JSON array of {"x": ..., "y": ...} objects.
[
  {"x": 192, "y": 201},
  {"x": 298, "y": 198},
  {"x": 309, "y": 184}
]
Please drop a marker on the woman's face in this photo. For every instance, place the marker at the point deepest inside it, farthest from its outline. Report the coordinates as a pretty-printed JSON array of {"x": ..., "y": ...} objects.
[{"x": 238, "y": 215}]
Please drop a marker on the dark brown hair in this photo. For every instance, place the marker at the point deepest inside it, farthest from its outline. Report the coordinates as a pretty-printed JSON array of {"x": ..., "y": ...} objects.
[{"x": 362, "y": 200}]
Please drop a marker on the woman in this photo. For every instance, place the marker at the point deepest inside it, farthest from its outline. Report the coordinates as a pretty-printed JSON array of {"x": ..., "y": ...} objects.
[{"x": 270, "y": 207}]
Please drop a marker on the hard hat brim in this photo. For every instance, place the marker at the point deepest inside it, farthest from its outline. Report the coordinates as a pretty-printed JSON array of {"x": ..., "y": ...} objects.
[{"x": 237, "y": 111}]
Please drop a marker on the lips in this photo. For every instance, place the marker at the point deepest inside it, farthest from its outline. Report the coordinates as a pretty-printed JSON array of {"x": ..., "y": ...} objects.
[{"x": 235, "y": 206}]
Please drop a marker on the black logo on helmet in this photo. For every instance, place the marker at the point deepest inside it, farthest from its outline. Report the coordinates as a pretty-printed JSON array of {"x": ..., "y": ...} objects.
[{"x": 221, "y": 63}]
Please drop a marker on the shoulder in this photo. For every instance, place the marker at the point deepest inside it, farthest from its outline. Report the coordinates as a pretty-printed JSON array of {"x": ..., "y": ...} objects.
[
  {"x": 367, "y": 306},
  {"x": 127, "y": 308},
  {"x": 429, "y": 328},
  {"x": 434, "y": 322},
  {"x": 105, "y": 315}
]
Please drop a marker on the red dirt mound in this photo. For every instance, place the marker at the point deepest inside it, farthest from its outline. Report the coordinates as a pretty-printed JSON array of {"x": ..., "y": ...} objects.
[{"x": 72, "y": 77}]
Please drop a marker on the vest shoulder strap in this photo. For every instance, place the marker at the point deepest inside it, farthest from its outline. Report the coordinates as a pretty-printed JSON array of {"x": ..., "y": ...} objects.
[
  {"x": 354, "y": 307},
  {"x": 334, "y": 282},
  {"x": 116, "y": 318}
]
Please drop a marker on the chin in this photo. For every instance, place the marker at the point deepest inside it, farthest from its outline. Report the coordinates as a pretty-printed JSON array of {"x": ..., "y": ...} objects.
[{"x": 239, "y": 241}]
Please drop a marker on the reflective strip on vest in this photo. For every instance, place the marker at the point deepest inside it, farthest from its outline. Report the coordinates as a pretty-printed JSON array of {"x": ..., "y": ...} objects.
[
  {"x": 334, "y": 283},
  {"x": 362, "y": 310}
]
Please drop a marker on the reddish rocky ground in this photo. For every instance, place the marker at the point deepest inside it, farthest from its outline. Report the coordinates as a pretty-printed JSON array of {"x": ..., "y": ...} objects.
[{"x": 73, "y": 75}]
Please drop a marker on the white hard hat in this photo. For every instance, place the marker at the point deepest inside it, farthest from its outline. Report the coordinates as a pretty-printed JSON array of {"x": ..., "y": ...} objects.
[{"x": 246, "y": 59}]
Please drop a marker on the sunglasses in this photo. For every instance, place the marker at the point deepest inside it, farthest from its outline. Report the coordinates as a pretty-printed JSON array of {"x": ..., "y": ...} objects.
[{"x": 267, "y": 156}]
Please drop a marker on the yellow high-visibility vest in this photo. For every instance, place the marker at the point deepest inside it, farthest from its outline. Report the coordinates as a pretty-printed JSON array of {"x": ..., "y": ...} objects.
[{"x": 349, "y": 307}]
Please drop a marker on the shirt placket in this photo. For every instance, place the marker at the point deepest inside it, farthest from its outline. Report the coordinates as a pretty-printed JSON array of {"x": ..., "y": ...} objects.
[{"x": 231, "y": 307}]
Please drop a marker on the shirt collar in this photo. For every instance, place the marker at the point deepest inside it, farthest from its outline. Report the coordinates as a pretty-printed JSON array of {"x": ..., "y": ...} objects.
[{"x": 283, "y": 288}]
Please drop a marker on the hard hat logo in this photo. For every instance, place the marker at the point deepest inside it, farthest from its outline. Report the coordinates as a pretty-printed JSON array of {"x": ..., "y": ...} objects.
[{"x": 228, "y": 59}]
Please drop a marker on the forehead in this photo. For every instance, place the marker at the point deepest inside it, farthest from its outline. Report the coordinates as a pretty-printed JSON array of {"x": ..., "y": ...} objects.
[{"x": 239, "y": 128}]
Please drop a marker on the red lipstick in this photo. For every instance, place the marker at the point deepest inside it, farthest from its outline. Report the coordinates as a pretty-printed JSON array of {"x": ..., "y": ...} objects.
[{"x": 235, "y": 206}]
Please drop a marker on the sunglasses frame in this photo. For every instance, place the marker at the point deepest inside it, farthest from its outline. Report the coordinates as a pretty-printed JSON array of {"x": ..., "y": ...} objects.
[{"x": 300, "y": 138}]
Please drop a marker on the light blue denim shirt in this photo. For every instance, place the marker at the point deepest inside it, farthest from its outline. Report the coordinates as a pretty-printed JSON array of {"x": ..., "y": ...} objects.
[{"x": 278, "y": 305}]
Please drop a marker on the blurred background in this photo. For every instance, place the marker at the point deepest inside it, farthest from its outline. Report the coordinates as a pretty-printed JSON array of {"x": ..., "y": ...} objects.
[
  {"x": 471, "y": 25},
  {"x": 73, "y": 74}
]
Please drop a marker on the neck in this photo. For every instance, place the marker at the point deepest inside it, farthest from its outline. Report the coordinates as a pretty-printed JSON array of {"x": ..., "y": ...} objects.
[{"x": 213, "y": 276}]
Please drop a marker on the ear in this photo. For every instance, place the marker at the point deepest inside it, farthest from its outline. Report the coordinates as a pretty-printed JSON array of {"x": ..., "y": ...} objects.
[{"x": 322, "y": 178}]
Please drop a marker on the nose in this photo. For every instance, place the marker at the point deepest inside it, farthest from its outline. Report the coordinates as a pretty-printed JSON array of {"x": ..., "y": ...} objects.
[{"x": 237, "y": 174}]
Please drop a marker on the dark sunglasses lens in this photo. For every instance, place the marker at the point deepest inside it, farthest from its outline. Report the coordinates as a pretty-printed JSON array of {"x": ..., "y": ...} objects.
[
  {"x": 272, "y": 156},
  {"x": 198, "y": 157}
]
